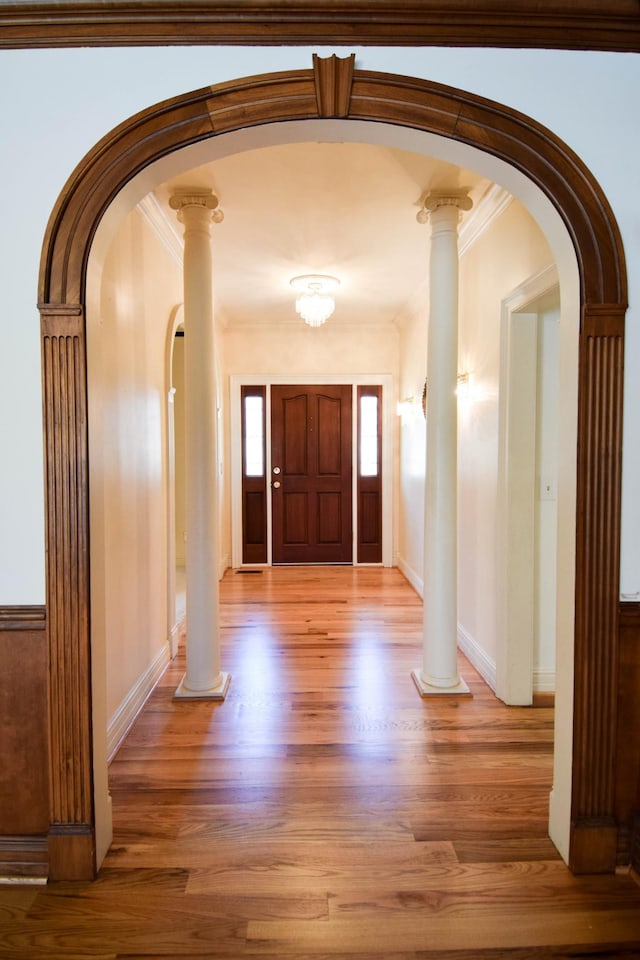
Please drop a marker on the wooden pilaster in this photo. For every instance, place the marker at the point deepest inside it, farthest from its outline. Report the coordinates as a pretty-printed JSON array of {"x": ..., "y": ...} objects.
[
  {"x": 71, "y": 833},
  {"x": 594, "y": 829}
]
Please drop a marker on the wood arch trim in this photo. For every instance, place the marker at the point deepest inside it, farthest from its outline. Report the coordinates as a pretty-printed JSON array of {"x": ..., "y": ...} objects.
[
  {"x": 333, "y": 88},
  {"x": 302, "y": 95}
]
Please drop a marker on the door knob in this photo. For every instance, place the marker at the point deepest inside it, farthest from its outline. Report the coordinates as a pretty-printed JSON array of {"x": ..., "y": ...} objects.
[{"x": 276, "y": 484}]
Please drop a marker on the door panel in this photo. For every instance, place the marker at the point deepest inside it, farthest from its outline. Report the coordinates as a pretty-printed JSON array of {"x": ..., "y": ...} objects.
[
  {"x": 311, "y": 474},
  {"x": 329, "y": 518},
  {"x": 295, "y": 516},
  {"x": 328, "y": 437},
  {"x": 294, "y": 413}
]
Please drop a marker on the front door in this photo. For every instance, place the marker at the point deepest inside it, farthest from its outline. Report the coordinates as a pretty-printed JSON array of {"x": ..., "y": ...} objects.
[{"x": 311, "y": 481}]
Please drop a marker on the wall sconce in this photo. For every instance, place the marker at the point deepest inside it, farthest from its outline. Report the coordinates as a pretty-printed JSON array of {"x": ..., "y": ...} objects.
[
  {"x": 463, "y": 387},
  {"x": 315, "y": 302},
  {"x": 463, "y": 390},
  {"x": 408, "y": 404},
  {"x": 405, "y": 406}
]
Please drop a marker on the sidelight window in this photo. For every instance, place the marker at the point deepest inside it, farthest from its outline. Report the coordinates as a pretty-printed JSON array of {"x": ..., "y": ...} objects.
[
  {"x": 369, "y": 436},
  {"x": 254, "y": 436},
  {"x": 254, "y": 475},
  {"x": 369, "y": 475}
]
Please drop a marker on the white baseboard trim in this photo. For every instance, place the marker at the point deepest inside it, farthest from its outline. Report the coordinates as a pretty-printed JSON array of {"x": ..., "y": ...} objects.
[
  {"x": 409, "y": 574},
  {"x": 478, "y": 657},
  {"x": 177, "y": 630},
  {"x": 474, "y": 653},
  {"x": 121, "y": 721},
  {"x": 544, "y": 681}
]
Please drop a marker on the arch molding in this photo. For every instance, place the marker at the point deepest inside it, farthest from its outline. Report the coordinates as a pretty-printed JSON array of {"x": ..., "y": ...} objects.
[{"x": 333, "y": 88}]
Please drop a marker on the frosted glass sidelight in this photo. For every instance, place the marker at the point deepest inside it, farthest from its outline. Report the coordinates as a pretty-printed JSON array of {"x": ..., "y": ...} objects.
[
  {"x": 254, "y": 436},
  {"x": 369, "y": 437}
]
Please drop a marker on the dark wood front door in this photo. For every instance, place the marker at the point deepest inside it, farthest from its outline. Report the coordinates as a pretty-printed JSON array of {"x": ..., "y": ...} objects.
[{"x": 311, "y": 474}]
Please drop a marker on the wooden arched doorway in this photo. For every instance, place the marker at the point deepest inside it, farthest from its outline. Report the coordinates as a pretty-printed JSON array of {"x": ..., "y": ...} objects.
[{"x": 332, "y": 88}]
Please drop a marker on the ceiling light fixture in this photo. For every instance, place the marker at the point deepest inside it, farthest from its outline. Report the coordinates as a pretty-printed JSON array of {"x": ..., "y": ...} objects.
[{"x": 315, "y": 302}]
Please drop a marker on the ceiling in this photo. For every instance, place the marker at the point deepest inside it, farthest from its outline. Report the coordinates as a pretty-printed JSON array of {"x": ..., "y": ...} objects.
[{"x": 346, "y": 209}]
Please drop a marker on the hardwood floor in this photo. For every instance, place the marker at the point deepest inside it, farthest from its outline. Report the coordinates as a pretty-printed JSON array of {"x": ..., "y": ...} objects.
[{"x": 324, "y": 810}]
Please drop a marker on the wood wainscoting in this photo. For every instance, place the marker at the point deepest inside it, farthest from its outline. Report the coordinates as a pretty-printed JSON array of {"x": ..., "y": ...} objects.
[
  {"x": 628, "y": 754},
  {"x": 24, "y": 781}
]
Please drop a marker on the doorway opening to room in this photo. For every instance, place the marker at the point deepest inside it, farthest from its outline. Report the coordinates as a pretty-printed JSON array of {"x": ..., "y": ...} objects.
[{"x": 592, "y": 281}]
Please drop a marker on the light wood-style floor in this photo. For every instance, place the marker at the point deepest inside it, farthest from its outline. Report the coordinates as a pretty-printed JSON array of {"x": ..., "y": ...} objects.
[{"x": 324, "y": 810}]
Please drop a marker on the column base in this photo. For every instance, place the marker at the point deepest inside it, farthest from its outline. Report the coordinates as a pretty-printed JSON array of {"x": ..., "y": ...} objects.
[
  {"x": 427, "y": 690},
  {"x": 218, "y": 692}
]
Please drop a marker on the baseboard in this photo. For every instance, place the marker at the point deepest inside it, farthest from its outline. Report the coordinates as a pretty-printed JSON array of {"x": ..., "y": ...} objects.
[
  {"x": 176, "y": 634},
  {"x": 593, "y": 846},
  {"x": 24, "y": 858},
  {"x": 411, "y": 576},
  {"x": 543, "y": 699},
  {"x": 544, "y": 681},
  {"x": 72, "y": 852},
  {"x": 477, "y": 657},
  {"x": 119, "y": 724}
]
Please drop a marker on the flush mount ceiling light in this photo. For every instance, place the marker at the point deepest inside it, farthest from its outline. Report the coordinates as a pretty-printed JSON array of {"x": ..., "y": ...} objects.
[{"x": 315, "y": 302}]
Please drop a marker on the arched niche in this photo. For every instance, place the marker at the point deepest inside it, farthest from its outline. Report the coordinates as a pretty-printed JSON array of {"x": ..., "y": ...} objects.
[{"x": 134, "y": 156}]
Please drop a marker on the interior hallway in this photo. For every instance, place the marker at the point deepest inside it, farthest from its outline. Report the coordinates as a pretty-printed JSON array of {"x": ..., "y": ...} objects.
[{"x": 324, "y": 809}]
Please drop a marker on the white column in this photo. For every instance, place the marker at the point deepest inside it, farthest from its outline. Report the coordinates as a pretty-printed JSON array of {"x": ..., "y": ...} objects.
[
  {"x": 439, "y": 673},
  {"x": 203, "y": 677}
]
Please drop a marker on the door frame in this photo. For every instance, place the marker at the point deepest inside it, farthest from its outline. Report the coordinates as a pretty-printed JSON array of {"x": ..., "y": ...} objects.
[
  {"x": 237, "y": 381},
  {"x": 571, "y": 203},
  {"x": 517, "y": 486}
]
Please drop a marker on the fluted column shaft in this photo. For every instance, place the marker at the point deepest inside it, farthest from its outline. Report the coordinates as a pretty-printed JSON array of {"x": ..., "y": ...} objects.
[
  {"x": 439, "y": 671},
  {"x": 203, "y": 677}
]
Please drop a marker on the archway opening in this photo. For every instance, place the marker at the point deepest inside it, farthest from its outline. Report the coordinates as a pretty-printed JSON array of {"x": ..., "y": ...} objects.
[
  {"x": 63, "y": 291},
  {"x": 180, "y": 170}
]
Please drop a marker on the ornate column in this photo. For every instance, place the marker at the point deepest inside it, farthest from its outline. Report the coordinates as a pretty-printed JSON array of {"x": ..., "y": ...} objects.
[
  {"x": 439, "y": 673},
  {"x": 203, "y": 677}
]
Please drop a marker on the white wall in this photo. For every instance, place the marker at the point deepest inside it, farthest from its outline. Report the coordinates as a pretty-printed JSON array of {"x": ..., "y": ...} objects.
[
  {"x": 298, "y": 349},
  {"x": 413, "y": 443},
  {"x": 137, "y": 289},
  {"x": 509, "y": 252},
  {"x": 179, "y": 421}
]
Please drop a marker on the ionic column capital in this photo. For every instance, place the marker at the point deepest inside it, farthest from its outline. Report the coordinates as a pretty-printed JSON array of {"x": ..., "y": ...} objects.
[
  {"x": 454, "y": 200},
  {"x": 191, "y": 199}
]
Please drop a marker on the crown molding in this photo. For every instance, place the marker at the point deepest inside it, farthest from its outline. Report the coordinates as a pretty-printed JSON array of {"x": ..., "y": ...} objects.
[
  {"x": 490, "y": 206},
  {"x": 551, "y": 24},
  {"x": 164, "y": 228}
]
